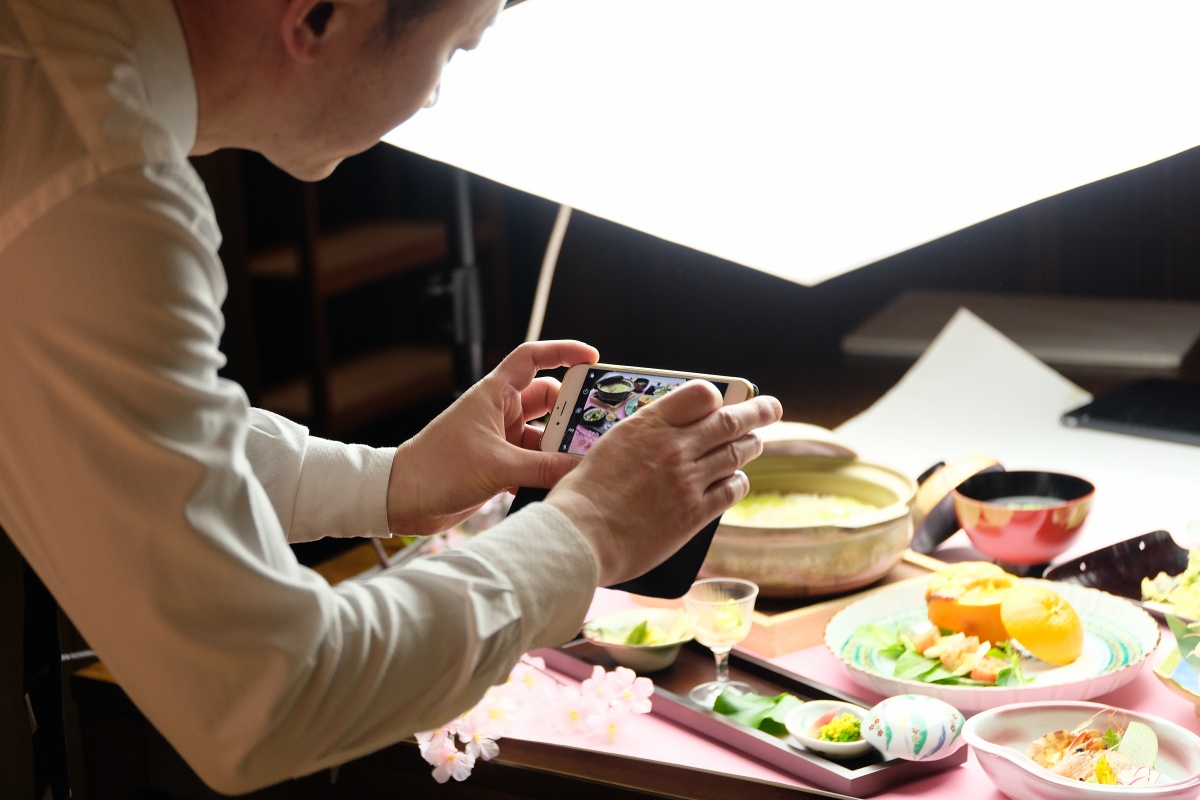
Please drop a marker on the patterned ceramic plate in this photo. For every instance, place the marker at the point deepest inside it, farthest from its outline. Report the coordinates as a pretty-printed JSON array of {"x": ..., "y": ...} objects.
[
  {"x": 1178, "y": 676},
  {"x": 1118, "y": 636}
]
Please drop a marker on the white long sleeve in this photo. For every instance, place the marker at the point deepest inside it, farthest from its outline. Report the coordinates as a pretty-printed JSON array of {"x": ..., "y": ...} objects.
[{"x": 152, "y": 501}]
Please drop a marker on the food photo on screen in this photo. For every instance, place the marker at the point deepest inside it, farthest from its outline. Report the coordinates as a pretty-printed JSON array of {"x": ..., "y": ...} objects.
[{"x": 607, "y": 397}]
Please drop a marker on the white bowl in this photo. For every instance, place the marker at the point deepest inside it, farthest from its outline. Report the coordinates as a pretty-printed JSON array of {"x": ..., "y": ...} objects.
[
  {"x": 999, "y": 738},
  {"x": 806, "y": 719},
  {"x": 609, "y": 632}
]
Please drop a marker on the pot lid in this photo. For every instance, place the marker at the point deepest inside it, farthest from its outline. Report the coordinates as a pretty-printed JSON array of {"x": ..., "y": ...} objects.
[{"x": 801, "y": 439}]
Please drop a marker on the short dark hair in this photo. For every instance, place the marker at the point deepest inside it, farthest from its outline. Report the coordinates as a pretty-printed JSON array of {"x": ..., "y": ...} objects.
[{"x": 399, "y": 14}]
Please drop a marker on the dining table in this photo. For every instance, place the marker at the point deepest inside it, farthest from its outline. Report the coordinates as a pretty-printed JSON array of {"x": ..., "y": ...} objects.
[{"x": 1011, "y": 413}]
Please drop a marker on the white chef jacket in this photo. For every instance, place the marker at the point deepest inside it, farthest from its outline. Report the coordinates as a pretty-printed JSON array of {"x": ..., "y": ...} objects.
[{"x": 155, "y": 504}]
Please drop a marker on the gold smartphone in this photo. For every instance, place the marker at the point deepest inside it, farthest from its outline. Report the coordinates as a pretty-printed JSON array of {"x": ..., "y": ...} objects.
[{"x": 595, "y": 397}]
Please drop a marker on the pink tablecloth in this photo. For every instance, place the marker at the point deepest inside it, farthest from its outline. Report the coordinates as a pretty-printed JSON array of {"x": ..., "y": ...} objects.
[{"x": 649, "y": 737}]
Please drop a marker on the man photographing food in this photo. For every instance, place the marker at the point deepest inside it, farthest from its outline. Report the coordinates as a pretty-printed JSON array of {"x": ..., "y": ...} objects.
[{"x": 158, "y": 507}]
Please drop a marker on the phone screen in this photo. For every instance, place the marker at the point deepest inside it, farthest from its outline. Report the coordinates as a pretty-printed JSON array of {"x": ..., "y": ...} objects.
[{"x": 607, "y": 397}]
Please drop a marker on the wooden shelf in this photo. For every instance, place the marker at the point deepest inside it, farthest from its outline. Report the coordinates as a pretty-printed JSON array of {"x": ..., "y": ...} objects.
[
  {"x": 335, "y": 251},
  {"x": 365, "y": 388},
  {"x": 359, "y": 254}
]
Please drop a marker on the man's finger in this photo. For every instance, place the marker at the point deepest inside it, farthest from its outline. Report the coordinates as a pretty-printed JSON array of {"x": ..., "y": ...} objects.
[
  {"x": 537, "y": 399},
  {"x": 521, "y": 365},
  {"x": 688, "y": 403}
]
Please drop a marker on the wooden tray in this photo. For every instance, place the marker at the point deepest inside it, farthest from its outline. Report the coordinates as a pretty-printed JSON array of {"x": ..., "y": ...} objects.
[
  {"x": 858, "y": 777},
  {"x": 786, "y": 625}
]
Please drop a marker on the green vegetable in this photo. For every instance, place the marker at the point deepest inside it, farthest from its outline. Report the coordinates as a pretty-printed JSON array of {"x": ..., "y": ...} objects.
[
  {"x": 638, "y": 634},
  {"x": 756, "y": 710}
]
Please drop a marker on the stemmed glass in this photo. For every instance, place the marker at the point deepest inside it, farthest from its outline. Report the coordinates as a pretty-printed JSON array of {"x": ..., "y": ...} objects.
[{"x": 720, "y": 610}]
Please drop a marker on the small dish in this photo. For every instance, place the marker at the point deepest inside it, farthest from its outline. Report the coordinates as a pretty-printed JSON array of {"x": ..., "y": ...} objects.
[
  {"x": 610, "y": 632},
  {"x": 1000, "y": 735},
  {"x": 805, "y": 720},
  {"x": 595, "y": 416}
]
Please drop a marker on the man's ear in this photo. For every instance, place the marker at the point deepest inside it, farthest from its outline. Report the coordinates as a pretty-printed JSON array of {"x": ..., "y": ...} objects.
[{"x": 306, "y": 25}]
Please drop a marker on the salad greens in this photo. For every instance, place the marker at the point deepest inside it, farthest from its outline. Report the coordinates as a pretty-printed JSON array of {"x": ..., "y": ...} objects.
[{"x": 912, "y": 665}]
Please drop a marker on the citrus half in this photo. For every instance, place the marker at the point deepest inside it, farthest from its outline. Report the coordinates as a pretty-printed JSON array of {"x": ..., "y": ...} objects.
[{"x": 1042, "y": 622}]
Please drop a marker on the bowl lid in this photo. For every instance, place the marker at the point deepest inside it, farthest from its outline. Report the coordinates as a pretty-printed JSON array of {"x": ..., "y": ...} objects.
[{"x": 936, "y": 520}]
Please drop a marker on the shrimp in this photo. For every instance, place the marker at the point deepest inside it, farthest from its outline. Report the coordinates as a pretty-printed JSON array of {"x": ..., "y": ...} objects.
[{"x": 1052, "y": 748}]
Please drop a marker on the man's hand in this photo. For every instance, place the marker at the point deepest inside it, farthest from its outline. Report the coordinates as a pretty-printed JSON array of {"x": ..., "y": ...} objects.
[
  {"x": 655, "y": 479},
  {"x": 482, "y": 445}
]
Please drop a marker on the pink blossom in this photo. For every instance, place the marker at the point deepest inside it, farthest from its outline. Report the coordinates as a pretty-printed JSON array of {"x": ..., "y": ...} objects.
[
  {"x": 427, "y": 740},
  {"x": 605, "y": 723},
  {"x": 629, "y": 691},
  {"x": 597, "y": 686},
  {"x": 484, "y": 721},
  {"x": 572, "y": 710},
  {"x": 596, "y": 707},
  {"x": 447, "y": 760}
]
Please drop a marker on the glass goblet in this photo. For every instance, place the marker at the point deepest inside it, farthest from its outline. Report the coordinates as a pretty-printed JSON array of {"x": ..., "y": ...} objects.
[{"x": 720, "y": 611}]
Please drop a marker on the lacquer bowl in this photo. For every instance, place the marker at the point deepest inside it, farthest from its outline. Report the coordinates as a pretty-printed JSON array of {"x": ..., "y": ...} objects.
[{"x": 1023, "y": 518}]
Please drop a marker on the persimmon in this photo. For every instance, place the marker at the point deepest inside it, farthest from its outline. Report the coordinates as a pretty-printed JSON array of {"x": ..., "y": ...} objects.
[{"x": 966, "y": 598}]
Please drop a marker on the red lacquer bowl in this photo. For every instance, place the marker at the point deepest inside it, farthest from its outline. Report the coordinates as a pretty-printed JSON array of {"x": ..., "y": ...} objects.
[{"x": 1023, "y": 518}]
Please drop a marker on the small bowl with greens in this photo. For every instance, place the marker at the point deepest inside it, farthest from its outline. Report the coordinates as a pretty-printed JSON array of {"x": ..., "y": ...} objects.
[{"x": 643, "y": 639}]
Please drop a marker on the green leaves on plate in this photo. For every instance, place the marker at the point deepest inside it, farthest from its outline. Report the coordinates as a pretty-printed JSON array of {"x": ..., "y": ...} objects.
[{"x": 912, "y": 665}]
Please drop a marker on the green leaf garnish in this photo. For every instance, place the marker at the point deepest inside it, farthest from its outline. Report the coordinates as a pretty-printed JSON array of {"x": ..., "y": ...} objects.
[{"x": 759, "y": 711}]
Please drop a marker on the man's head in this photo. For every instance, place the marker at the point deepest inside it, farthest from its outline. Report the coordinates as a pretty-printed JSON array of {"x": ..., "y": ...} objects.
[{"x": 309, "y": 82}]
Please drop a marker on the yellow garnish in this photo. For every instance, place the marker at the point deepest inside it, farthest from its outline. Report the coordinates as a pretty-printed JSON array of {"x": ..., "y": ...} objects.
[
  {"x": 1104, "y": 772},
  {"x": 845, "y": 727}
]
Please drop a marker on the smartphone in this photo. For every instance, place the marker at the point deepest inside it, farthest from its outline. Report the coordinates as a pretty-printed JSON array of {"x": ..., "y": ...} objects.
[{"x": 596, "y": 397}]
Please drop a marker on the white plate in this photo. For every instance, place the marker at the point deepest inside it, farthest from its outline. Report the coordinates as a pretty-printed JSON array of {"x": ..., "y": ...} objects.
[
  {"x": 999, "y": 738},
  {"x": 1118, "y": 636}
]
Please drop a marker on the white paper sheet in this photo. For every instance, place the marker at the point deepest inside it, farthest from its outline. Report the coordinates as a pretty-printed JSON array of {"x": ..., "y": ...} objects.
[{"x": 975, "y": 391}]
